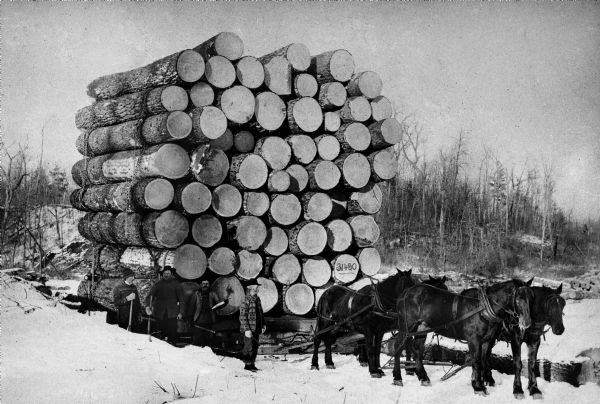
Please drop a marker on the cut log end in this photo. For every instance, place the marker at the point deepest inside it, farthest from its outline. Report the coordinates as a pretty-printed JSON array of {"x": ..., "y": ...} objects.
[
  {"x": 267, "y": 292},
  {"x": 275, "y": 151},
  {"x": 195, "y": 198},
  {"x": 243, "y": 141},
  {"x": 202, "y": 94},
  {"x": 189, "y": 261},
  {"x": 285, "y": 209},
  {"x": 276, "y": 242},
  {"x": 269, "y": 110},
  {"x": 369, "y": 261},
  {"x": 355, "y": 169},
  {"x": 229, "y": 45},
  {"x": 339, "y": 235},
  {"x": 237, "y": 103},
  {"x": 249, "y": 72},
  {"x": 256, "y": 203},
  {"x": 248, "y": 232},
  {"x": 341, "y": 65},
  {"x": 305, "y": 85},
  {"x": 248, "y": 171},
  {"x": 227, "y": 200},
  {"x": 367, "y": 84},
  {"x": 364, "y": 229},
  {"x": 219, "y": 72},
  {"x": 278, "y": 75},
  {"x": 209, "y": 165},
  {"x": 190, "y": 66},
  {"x": 356, "y": 109},
  {"x": 279, "y": 181},
  {"x": 207, "y": 231},
  {"x": 385, "y": 133},
  {"x": 299, "y": 57},
  {"x": 286, "y": 269},
  {"x": 308, "y": 238},
  {"x": 316, "y": 271},
  {"x": 384, "y": 164},
  {"x": 345, "y": 268},
  {"x": 304, "y": 115},
  {"x": 158, "y": 194},
  {"x": 249, "y": 264},
  {"x": 331, "y": 121},
  {"x": 179, "y": 125},
  {"x": 298, "y": 177},
  {"x": 381, "y": 108},
  {"x": 230, "y": 288},
  {"x": 328, "y": 147},
  {"x": 222, "y": 261},
  {"x": 299, "y": 299},
  {"x": 323, "y": 175},
  {"x": 172, "y": 161},
  {"x": 174, "y": 98}
]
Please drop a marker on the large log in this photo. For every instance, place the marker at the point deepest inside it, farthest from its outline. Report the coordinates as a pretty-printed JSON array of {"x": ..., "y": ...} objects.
[
  {"x": 317, "y": 206},
  {"x": 226, "y": 44},
  {"x": 297, "y": 54},
  {"x": 132, "y": 106},
  {"x": 76, "y": 198},
  {"x": 190, "y": 261},
  {"x": 104, "y": 225},
  {"x": 278, "y": 75},
  {"x": 364, "y": 229},
  {"x": 367, "y": 84},
  {"x": 226, "y": 201},
  {"x": 339, "y": 235},
  {"x": 323, "y": 175},
  {"x": 230, "y": 288},
  {"x": 249, "y": 72},
  {"x": 181, "y": 67},
  {"x": 298, "y": 177},
  {"x": 365, "y": 201},
  {"x": 286, "y": 269},
  {"x": 83, "y": 226},
  {"x": 269, "y": 111},
  {"x": 304, "y": 115},
  {"x": 219, "y": 72},
  {"x": 381, "y": 108},
  {"x": 207, "y": 230},
  {"x": 144, "y": 194},
  {"x": 345, "y": 268},
  {"x": 102, "y": 290},
  {"x": 164, "y": 160},
  {"x": 147, "y": 261},
  {"x": 285, "y": 209},
  {"x": 356, "y": 109},
  {"x": 79, "y": 172},
  {"x": 369, "y": 260},
  {"x": 201, "y": 94},
  {"x": 122, "y": 228},
  {"x": 307, "y": 238},
  {"x": 223, "y": 142},
  {"x": 316, "y": 271},
  {"x": 298, "y": 299},
  {"x": 332, "y": 95},
  {"x": 331, "y": 121},
  {"x": 328, "y": 147},
  {"x": 353, "y": 136},
  {"x": 336, "y": 65},
  {"x": 247, "y": 232},
  {"x": 275, "y": 152},
  {"x": 355, "y": 169},
  {"x": 167, "y": 229},
  {"x": 276, "y": 242},
  {"x": 303, "y": 148},
  {"x": 267, "y": 292},
  {"x": 250, "y": 264},
  {"x": 256, "y": 203},
  {"x": 243, "y": 141},
  {"x": 237, "y": 103},
  {"x": 279, "y": 181},
  {"x": 384, "y": 164},
  {"x": 385, "y": 133},
  {"x": 209, "y": 165},
  {"x": 248, "y": 171},
  {"x": 305, "y": 85},
  {"x": 222, "y": 261},
  {"x": 208, "y": 123}
]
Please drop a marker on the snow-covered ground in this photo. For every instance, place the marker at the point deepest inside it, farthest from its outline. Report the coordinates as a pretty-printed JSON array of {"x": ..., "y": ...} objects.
[{"x": 51, "y": 354}]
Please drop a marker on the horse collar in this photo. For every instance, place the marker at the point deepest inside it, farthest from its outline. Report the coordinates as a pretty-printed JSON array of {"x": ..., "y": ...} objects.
[{"x": 488, "y": 311}]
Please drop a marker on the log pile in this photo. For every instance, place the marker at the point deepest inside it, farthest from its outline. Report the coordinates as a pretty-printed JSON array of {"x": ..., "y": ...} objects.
[{"x": 230, "y": 167}]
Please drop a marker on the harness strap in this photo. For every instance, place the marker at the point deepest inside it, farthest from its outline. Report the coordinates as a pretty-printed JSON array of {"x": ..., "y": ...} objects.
[{"x": 487, "y": 310}]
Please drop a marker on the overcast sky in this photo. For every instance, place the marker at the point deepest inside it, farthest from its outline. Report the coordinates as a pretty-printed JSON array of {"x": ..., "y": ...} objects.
[{"x": 521, "y": 78}]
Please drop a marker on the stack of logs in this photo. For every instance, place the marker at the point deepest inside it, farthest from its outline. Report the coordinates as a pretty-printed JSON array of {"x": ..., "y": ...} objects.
[{"x": 230, "y": 167}]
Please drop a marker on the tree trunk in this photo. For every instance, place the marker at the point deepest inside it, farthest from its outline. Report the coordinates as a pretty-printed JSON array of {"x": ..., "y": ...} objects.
[
  {"x": 364, "y": 229},
  {"x": 355, "y": 169},
  {"x": 207, "y": 230},
  {"x": 76, "y": 200},
  {"x": 201, "y": 94},
  {"x": 369, "y": 261},
  {"x": 104, "y": 225},
  {"x": 243, "y": 141},
  {"x": 307, "y": 238},
  {"x": 237, "y": 103},
  {"x": 256, "y": 203},
  {"x": 286, "y": 269},
  {"x": 248, "y": 171},
  {"x": 220, "y": 72},
  {"x": 102, "y": 291},
  {"x": 250, "y": 264},
  {"x": 147, "y": 262},
  {"x": 298, "y": 299},
  {"x": 297, "y": 54},
  {"x": 365, "y": 201},
  {"x": 331, "y": 121},
  {"x": 384, "y": 164},
  {"x": 316, "y": 271},
  {"x": 275, "y": 152},
  {"x": 166, "y": 229},
  {"x": 339, "y": 235},
  {"x": 269, "y": 111},
  {"x": 304, "y": 115},
  {"x": 222, "y": 261},
  {"x": 267, "y": 292},
  {"x": 303, "y": 148},
  {"x": 305, "y": 85},
  {"x": 247, "y": 232},
  {"x": 279, "y": 181},
  {"x": 356, "y": 109},
  {"x": 181, "y": 67},
  {"x": 317, "y": 206},
  {"x": 385, "y": 133},
  {"x": 192, "y": 198},
  {"x": 345, "y": 268},
  {"x": 381, "y": 108},
  {"x": 332, "y": 95},
  {"x": 285, "y": 209},
  {"x": 276, "y": 242},
  {"x": 228, "y": 287},
  {"x": 336, "y": 65},
  {"x": 278, "y": 75},
  {"x": 368, "y": 84},
  {"x": 226, "y": 201},
  {"x": 328, "y": 147},
  {"x": 323, "y": 175},
  {"x": 209, "y": 165},
  {"x": 298, "y": 177},
  {"x": 110, "y": 139},
  {"x": 208, "y": 123},
  {"x": 132, "y": 106},
  {"x": 249, "y": 72},
  {"x": 131, "y": 196},
  {"x": 353, "y": 136},
  {"x": 225, "y": 44}
]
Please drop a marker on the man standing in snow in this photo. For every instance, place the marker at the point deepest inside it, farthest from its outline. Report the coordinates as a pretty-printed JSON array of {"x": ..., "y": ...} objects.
[
  {"x": 165, "y": 303},
  {"x": 204, "y": 315},
  {"x": 252, "y": 324},
  {"x": 127, "y": 300}
]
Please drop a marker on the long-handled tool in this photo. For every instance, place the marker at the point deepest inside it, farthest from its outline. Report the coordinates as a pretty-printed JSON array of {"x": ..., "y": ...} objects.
[
  {"x": 130, "y": 314},
  {"x": 149, "y": 323}
]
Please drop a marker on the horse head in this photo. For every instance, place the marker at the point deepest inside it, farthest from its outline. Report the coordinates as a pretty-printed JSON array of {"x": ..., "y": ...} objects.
[
  {"x": 523, "y": 296},
  {"x": 438, "y": 282},
  {"x": 553, "y": 309},
  {"x": 393, "y": 286}
]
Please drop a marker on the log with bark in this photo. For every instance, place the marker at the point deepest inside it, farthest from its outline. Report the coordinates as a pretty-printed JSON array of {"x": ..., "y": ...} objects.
[
  {"x": 332, "y": 95},
  {"x": 298, "y": 299},
  {"x": 76, "y": 199},
  {"x": 297, "y": 54},
  {"x": 384, "y": 164},
  {"x": 222, "y": 261},
  {"x": 305, "y": 85},
  {"x": 279, "y": 181},
  {"x": 131, "y": 196},
  {"x": 278, "y": 75},
  {"x": 367, "y": 200},
  {"x": 369, "y": 261},
  {"x": 147, "y": 262},
  {"x": 304, "y": 115},
  {"x": 247, "y": 232},
  {"x": 364, "y": 229},
  {"x": 208, "y": 123},
  {"x": 316, "y": 271},
  {"x": 166, "y": 229},
  {"x": 219, "y": 72},
  {"x": 275, "y": 151},
  {"x": 132, "y": 106},
  {"x": 276, "y": 242},
  {"x": 323, "y": 175},
  {"x": 303, "y": 148},
  {"x": 298, "y": 177},
  {"x": 355, "y": 170},
  {"x": 207, "y": 230},
  {"x": 223, "y": 142},
  {"x": 226, "y": 44},
  {"x": 181, "y": 67},
  {"x": 328, "y": 147},
  {"x": 307, "y": 238},
  {"x": 102, "y": 290},
  {"x": 345, "y": 268},
  {"x": 381, "y": 108},
  {"x": 248, "y": 171},
  {"x": 286, "y": 269},
  {"x": 385, "y": 133},
  {"x": 356, "y": 109},
  {"x": 226, "y": 201},
  {"x": 249, "y": 72},
  {"x": 209, "y": 165},
  {"x": 201, "y": 94},
  {"x": 336, "y": 65},
  {"x": 331, "y": 121},
  {"x": 367, "y": 84},
  {"x": 267, "y": 292},
  {"x": 339, "y": 235},
  {"x": 317, "y": 206},
  {"x": 249, "y": 264},
  {"x": 269, "y": 112},
  {"x": 353, "y": 136},
  {"x": 256, "y": 203},
  {"x": 237, "y": 103},
  {"x": 285, "y": 209}
]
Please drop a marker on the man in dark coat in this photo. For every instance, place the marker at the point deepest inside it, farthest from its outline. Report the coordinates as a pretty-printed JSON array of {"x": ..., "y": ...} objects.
[
  {"x": 127, "y": 300},
  {"x": 203, "y": 303},
  {"x": 252, "y": 324},
  {"x": 165, "y": 303}
]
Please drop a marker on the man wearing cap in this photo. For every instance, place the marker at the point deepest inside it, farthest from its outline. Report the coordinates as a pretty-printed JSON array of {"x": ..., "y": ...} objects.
[
  {"x": 203, "y": 303},
  {"x": 127, "y": 300},
  {"x": 252, "y": 324},
  {"x": 165, "y": 303}
]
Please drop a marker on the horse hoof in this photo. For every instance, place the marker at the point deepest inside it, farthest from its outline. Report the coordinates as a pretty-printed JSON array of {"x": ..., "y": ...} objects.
[
  {"x": 364, "y": 364},
  {"x": 537, "y": 396},
  {"x": 313, "y": 367},
  {"x": 481, "y": 392},
  {"x": 519, "y": 396},
  {"x": 410, "y": 372},
  {"x": 376, "y": 375},
  {"x": 330, "y": 366},
  {"x": 398, "y": 383},
  {"x": 425, "y": 383}
]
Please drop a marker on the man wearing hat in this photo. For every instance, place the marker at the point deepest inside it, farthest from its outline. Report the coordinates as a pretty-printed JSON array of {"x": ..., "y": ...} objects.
[
  {"x": 203, "y": 303},
  {"x": 127, "y": 300},
  {"x": 252, "y": 324},
  {"x": 165, "y": 303}
]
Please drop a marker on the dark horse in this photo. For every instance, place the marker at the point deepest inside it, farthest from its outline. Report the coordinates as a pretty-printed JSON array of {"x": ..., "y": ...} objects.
[
  {"x": 425, "y": 309},
  {"x": 546, "y": 309},
  {"x": 341, "y": 310}
]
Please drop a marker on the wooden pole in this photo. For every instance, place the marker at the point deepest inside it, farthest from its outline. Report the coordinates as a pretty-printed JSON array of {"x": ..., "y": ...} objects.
[
  {"x": 367, "y": 84},
  {"x": 336, "y": 65}
]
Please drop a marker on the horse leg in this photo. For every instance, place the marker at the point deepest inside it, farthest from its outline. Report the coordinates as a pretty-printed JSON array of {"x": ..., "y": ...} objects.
[
  {"x": 515, "y": 345},
  {"x": 486, "y": 353},
  {"x": 315, "y": 357},
  {"x": 370, "y": 345},
  {"x": 532, "y": 349},
  {"x": 362, "y": 356},
  {"x": 410, "y": 369},
  {"x": 476, "y": 382},
  {"x": 329, "y": 340},
  {"x": 418, "y": 346},
  {"x": 398, "y": 343},
  {"x": 378, "y": 341}
]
